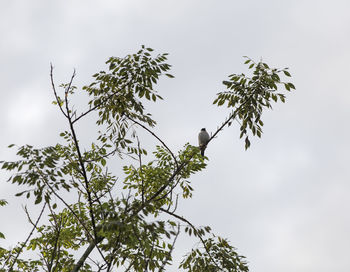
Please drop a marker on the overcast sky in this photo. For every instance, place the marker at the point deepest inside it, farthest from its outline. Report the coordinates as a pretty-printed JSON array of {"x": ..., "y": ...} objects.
[{"x": 285, "y": 202}]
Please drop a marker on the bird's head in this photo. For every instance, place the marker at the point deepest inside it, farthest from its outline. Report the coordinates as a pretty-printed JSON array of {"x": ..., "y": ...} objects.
[{"x": 203, "y": 129}]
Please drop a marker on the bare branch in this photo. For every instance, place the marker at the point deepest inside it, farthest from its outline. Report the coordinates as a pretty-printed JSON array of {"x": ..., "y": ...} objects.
[
  {"x": 54, "y": 91},
  {"x": 154, "y": 135}
]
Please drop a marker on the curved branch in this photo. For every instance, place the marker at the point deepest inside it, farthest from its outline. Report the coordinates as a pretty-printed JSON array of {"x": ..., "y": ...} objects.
[
  {"x": 195, "y": 229},
  {"x": 154, "y": 135}
]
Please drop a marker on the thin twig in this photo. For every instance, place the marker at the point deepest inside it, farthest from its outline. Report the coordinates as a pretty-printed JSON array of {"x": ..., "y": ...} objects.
[
  {"x": 141, "y": 172},
  {"x": 70, "y": 209},
  {"x": 102, "y": 102},
  {"x": 54, "y": 90},
  {"x": 233, "y": 115},
  {"x": 58, "y": 228},
  {"x": 194, "y": 229},
  {"x": 171, "y": 250},
  {"x": 26, "y": 241},
  {"x": 154, "y": 135},
  {"x": 80, "y": 158}
]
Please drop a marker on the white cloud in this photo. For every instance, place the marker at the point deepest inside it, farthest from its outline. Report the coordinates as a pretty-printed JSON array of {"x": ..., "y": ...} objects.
[{"x": 27, "y": 110}]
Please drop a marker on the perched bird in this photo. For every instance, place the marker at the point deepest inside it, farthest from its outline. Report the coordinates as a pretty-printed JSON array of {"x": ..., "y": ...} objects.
[{"x": 203, "y": 138}]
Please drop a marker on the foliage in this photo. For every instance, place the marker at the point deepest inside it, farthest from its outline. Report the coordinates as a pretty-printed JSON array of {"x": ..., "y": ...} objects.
[
  {"x": 3, "y": 202},
  {"x": 250, "y": 95},
  {"x": 130, "y": 223}
]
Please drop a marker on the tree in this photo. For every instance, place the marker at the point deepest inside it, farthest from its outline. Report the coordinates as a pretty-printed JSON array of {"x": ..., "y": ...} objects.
[{"x": 129, "y": 224}]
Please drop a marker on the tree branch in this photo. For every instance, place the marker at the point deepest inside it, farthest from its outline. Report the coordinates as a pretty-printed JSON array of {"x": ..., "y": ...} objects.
[
  {"x": 26, "y": 241},
  {"x": 171, "y": 250},
  {"x": 101, "y": 103},
  {"x": 58, "y": 228},
  {"x": 86, "y": 254},
  {"x": 154, "y": 135},
  {"x": 54, "y": 90},
  {"x": 140, "y": 165},
  {"x": 82, "y": 166},
  {"x": 194, "y": 229}
]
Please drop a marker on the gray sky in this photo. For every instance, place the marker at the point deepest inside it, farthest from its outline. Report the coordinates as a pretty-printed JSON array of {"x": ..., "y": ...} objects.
[{"x": 284, "y": 203}]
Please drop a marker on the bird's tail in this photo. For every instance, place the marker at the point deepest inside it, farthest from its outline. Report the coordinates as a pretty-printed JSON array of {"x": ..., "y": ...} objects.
[{"x": 202, "y": 151}]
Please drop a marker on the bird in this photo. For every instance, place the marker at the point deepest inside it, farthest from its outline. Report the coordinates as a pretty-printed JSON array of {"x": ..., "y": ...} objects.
[{"x": 203, "y": 138}]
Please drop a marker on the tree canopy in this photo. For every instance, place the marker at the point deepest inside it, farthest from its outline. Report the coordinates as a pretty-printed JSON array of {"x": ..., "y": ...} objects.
[{"x": 128, "y": 221}]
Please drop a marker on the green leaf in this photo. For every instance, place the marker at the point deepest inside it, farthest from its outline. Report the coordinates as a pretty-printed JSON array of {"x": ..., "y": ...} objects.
[
  {"x": 274, "y": 97},
  {"x": 38, "y": 200},
  {"x": 221, "y": 102},
  {"x": 247, "y": 143},
  {"x": 286, "y": 85},
  {"x": 291, "y": 85},
  {"x": 258, "y": 133},
  {"x": 286, "y": 73},
  {"x": 103, "y": 162},
  {"x": 21, "y": 193},
  {"x": 282, "y": 98}
]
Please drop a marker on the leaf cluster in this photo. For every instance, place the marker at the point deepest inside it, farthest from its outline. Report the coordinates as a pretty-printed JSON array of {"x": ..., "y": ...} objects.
[
  {"x": 248, "y": 96},
  {"x": 116, "y": 94},
  {"x": 215, "y": 254}
]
